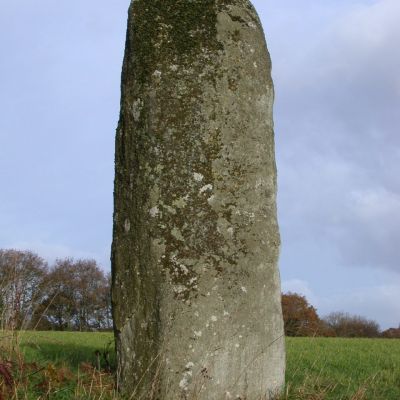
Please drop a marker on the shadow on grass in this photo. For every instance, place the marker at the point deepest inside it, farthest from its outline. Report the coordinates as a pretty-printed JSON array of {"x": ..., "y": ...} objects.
[{"x": 71, "y": 355}]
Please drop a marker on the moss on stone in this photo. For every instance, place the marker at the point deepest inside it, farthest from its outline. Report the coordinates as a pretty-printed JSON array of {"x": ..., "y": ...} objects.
[
  {"x": 167, "y": 31},
  {"x": 179, "y": 143}
]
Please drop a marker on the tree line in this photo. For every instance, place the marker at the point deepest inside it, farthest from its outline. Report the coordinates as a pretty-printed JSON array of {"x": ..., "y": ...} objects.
[
  {"x": 302, "y": 319},
  {"x": 75, "y": 295},
  {"x": 68, "y": 295}
]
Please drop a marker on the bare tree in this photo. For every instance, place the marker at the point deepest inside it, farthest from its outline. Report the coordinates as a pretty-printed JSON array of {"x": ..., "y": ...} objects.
[
  {"x": 22, "y": 275},
  {"x": 91, "y": 295},
  {"x": 58, "y": 307},
  {"x": 346, "y": 325},
  {"x": 77, "y": 297},
  {"x": 391, "y": 333}
]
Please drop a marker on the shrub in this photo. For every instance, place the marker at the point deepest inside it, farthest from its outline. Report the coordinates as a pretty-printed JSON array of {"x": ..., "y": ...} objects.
[{"x": 346, "y": 325}]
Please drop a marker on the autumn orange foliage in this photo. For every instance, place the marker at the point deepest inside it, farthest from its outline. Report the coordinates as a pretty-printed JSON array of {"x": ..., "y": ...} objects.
[{"x": 300, "y": 318}]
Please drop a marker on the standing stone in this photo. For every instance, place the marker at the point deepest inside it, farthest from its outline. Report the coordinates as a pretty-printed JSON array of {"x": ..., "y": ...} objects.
[{"x": 196, "y": 289}]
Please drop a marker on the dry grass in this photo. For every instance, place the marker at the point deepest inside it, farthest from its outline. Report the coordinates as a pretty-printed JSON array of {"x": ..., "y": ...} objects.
[{"x": 57, "y": 379}]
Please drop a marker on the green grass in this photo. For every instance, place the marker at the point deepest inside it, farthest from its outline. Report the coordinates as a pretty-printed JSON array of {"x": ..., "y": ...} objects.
[
  {"x": 68, "y": 348},
  {"x": 317, "y": 368},
  {"x": 343, "y": 368},
  {"x": 56, "y": 365}
]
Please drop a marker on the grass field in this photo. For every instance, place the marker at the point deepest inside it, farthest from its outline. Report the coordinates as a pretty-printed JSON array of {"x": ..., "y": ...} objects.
[
  {"x": 330, "y": 368},
  {"x": 64, "y": 365}
]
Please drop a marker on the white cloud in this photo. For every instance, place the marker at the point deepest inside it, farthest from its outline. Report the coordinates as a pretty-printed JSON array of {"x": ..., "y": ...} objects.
[
  {"x": 380, "y": 303},
  {"x": 300, "y": 286},
  {"x": 369, "y": 26},
  {"x": 370, "y": 204},
  {"x": 337, "y": 136}
]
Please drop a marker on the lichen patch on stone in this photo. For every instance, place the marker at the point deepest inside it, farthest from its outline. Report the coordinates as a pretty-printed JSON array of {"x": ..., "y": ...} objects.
[
  {"x": 154, "y": 211},
  {"x": 206, "y": 187},
  {"x": 198, "y": 177}
]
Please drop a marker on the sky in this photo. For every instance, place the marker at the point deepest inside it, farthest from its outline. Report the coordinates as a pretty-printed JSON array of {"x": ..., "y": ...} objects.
[{"x": 337, "y": 126}]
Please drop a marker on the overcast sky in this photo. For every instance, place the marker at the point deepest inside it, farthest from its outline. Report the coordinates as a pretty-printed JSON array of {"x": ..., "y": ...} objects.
[{"x": 336, "y": 69}]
